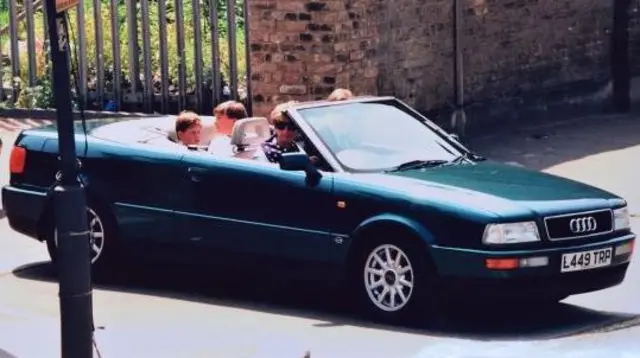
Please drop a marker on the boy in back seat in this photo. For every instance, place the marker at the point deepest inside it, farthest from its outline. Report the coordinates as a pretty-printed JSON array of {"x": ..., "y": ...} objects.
[{"x": 226, "y": 113}]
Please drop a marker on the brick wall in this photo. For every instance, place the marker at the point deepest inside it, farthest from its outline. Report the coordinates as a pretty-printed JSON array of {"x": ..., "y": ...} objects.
[
  {"x": 300, "y": 50},
  {"x": 416, "y": 52},
  {"x": 518, "y": 53},
  {"x": 530, "y": 54}
]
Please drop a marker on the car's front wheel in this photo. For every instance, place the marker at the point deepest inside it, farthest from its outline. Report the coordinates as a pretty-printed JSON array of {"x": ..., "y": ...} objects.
[
  {"x": 101, "y": 238},
  {"x": 395, "y": 280}
]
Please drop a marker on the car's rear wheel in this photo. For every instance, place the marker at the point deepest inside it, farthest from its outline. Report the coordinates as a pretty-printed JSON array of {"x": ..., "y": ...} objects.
[
  {"x": 395, "y": 281},
  {"x": 101, "y": 238}
]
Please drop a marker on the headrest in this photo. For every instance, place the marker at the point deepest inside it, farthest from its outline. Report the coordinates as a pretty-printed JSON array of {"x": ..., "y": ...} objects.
[
  {"x": 250, "y": 131},
  {"x": 172, "y": 134}
]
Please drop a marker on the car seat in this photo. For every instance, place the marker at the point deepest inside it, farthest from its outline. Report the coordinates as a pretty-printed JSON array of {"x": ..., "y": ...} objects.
[{"x": 248, "y": 134}]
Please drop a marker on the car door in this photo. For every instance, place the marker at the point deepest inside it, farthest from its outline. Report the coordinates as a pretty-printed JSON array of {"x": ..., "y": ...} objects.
[
  {"x": 137, "y": 181},
  {"x": 249, "y": 207}
]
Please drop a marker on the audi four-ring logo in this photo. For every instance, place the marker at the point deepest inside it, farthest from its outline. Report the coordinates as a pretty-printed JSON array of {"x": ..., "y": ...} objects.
[{"x": 582, "y": 225}]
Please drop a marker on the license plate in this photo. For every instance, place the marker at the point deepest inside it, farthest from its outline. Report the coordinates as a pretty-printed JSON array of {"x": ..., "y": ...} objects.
[{"x": 586, "y": 260}]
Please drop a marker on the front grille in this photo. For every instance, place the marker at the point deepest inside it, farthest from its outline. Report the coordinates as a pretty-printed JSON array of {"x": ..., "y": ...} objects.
[{"x": 574, "y": 226}]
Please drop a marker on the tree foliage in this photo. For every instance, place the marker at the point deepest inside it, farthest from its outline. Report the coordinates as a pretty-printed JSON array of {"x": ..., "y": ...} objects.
[{"x": 155, "y": 40}]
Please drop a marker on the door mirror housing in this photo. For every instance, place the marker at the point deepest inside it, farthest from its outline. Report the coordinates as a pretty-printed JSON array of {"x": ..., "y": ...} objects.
[
  {"x": 300, "y": 161},
  {"x": 294, "y": 161}
]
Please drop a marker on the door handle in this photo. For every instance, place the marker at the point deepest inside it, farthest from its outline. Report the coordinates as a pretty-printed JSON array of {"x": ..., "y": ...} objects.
[{"x": 196, "y": 173}]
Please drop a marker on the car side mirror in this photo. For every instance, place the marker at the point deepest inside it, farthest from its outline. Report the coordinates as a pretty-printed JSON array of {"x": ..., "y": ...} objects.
[
  {"x": 300, "y": 161},
  {"x": 294, "y": 161}
]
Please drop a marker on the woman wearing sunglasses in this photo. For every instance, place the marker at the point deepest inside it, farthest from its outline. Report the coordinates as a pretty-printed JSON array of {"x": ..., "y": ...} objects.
[{"x": 283, "y": 141}]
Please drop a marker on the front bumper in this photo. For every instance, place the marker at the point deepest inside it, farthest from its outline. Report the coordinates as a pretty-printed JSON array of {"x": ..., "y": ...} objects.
[{"x": 464, "y": 271}]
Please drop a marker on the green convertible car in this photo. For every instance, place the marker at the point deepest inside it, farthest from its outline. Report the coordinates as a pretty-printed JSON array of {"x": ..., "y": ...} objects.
[{"x": 394, "y": 205}]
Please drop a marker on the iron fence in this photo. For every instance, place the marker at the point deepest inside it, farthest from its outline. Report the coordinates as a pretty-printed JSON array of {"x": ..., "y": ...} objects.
[{"x": 131, "y": 55}]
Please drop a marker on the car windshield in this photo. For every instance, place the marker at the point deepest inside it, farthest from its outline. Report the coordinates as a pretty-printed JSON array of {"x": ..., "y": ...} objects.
[{"x": 377, "y": 136}]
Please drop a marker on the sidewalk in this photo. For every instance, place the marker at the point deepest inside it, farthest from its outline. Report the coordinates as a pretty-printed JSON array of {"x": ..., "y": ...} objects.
[
  {"x": 12, "y": 125},
  {"x": 610, "y": 345},
  {"x": 23, "y": 335},
  {"x": 597, "y": 150},
  {"x": 27, "y": 337}
]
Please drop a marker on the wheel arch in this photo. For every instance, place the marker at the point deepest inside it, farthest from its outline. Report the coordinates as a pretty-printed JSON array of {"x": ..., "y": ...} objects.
[
  {"x": 391, "y": 224},
  {"x": 47, "y": 217}
]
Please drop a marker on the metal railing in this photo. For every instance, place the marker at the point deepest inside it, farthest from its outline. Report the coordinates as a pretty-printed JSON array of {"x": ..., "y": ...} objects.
[{"x": 186, "y": 54}]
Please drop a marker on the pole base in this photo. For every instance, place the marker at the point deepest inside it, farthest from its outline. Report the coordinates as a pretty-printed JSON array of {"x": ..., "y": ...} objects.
[
  {"x": 459, "y": 122},
  {"x": 74, "y": 271}
]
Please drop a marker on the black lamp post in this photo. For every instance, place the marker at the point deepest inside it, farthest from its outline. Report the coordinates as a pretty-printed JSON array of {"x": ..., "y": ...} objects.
[
  {"x": 73, "y": 252},
  {"x": 459, "y": 117},
  {"x": 620, "y": 60}
]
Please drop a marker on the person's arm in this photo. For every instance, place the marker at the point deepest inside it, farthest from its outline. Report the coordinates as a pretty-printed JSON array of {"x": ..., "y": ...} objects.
[
  {"x": 259, "y": 155},
  {"x": 312, "y": 158}
]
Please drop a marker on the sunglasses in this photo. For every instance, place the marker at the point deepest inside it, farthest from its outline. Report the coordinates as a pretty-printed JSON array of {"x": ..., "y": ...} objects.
[{"x": 283, "y": 125}]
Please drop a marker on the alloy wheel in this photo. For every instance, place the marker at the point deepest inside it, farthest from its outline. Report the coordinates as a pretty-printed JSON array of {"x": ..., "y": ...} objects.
[
  {"x": 96, "y": 235},
  {"x": 389, "y": 278}
]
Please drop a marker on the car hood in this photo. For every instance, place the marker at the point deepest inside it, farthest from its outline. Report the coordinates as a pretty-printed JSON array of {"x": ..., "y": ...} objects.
[{"x": 501, "y": 189}]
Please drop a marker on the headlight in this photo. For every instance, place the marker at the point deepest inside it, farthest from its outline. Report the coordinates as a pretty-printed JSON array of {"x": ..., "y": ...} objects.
[
  {"x": 512, "y": 233},
  {"x": 621, "y": 219}
]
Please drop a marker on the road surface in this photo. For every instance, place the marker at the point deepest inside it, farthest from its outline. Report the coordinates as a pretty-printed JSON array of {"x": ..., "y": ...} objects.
[
  {"x": 185, "y": 315},
  {"x": 162, "y": 312}
]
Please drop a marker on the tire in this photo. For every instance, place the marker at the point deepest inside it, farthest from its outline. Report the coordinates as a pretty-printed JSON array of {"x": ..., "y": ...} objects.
[
  {"x": 406, "y": 293},
  {"x": 103, "y": 238}
]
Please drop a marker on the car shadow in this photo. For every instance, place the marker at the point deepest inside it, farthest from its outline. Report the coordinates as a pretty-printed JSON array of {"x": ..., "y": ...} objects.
[
  {"x": 546, "y": 145},
  {"x": 322, "y": 302},
  {"x": 5, "y": 354}
]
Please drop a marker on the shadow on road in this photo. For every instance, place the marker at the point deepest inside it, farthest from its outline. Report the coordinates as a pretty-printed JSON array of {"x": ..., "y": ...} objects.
[
  {"x": 546, "y": 146},
  {"x": 304, "y": 299},
  {"x": 5, "y": 354}
]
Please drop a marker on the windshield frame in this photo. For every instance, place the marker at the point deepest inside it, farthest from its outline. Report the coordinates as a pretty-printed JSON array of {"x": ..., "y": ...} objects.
[{"x": 296, "y": 116}]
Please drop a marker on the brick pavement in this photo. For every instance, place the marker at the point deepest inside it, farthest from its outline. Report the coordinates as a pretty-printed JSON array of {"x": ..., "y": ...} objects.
[{"x": 15, "y": 125}]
